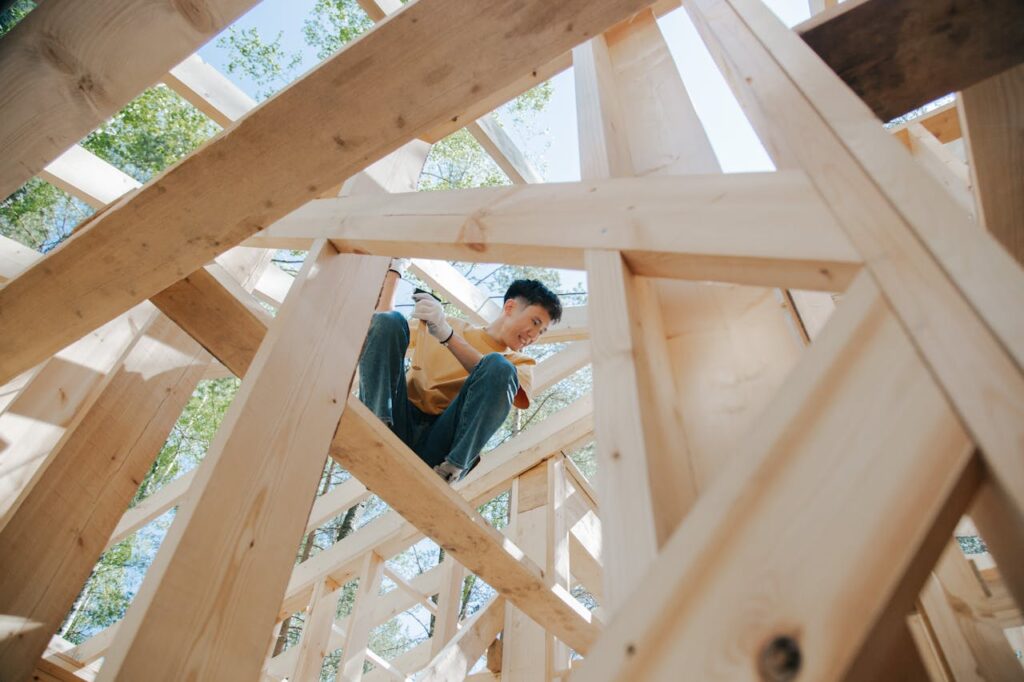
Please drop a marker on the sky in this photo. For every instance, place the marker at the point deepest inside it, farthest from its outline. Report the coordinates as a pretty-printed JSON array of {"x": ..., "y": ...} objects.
[{"x": 557, "y": 152}]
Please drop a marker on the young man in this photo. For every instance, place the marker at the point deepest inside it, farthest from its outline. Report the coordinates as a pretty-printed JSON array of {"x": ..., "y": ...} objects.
[{"x": 463, "y": 379}]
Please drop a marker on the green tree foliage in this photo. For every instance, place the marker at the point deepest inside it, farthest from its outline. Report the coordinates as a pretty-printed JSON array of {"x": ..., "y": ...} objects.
[{"x": 13, "y": 14}]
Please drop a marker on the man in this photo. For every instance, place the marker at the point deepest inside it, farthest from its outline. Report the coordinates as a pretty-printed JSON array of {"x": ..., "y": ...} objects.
[{"x": 463, "y": 379}]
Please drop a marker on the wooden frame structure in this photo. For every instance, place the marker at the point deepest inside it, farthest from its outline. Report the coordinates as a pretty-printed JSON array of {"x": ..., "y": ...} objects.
[{"x": 778, "y": 484}]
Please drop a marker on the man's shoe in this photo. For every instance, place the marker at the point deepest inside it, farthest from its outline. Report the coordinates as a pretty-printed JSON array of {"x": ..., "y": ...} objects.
[{"x": 448, "y": 472}]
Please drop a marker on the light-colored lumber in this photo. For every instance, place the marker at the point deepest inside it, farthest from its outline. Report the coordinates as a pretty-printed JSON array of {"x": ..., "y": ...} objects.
[
  {"x": 927, "y": 649},
  {"x": 503, "y": 150},
  {"x": 943, "y": 122},
  {"x": 276, "y": 431},
  {"x": 316, "y": 631},
  {"x": 150, "y": 508},
  {"x": 455, "y": 660},
  {"x": 51, "y": 549},
  {"x": 449, "y": 599},
  {"x": 828, "y": 464},
  {"x": 526, "y": 647},
  {"x": 70, "y": 66},
  {"x": 560, "y": 365},
  {"x": 899, "y": 55},
  {"x": 209, "y": 91},
  {"x": 943, "y": 165},
  {"x": 84, "y": 175},
  {"x": 55, "y": 400},
  {"x": 449, "y": 282},
  {"x": 180, "y": 220},
  {"x": 14, "y": 258},
  {"x": 949, "y": 286},
  {"x": 218, "y": 313},
  {"x": 364, "y": 446},
  {"x": 1001, "y": 524},
  {"x": 761, "y": 228},
  {"x": 994, "y": 126},
  {"x": 572, "y": 326},
  {"x": 360, "y": 622}
]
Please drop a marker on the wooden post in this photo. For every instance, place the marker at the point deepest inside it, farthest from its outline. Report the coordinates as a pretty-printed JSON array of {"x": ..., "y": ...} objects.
[{"x": 309, "y": 357}]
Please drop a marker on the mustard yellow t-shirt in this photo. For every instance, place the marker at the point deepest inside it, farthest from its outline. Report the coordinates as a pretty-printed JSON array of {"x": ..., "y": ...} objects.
[{"x": 435, "y": 376}]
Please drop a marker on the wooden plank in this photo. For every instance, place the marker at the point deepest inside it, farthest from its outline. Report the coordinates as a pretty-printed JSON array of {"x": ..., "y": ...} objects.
[
  {"x": 503, "y": 150},
  {"x": 943, "y": 165},
  {"x": 69, "y": 67},
  {"x": 761, "y": 228},
  {"x": 86, "y": 176},
  {"x": 51, "y": 549},
  {"x": 211, "y": 613},
  {"x": 948, "y": 285},
  {"x": 828, "y": 460},
  {"x": 357, "y": 635},
  {"x": 898, "y": 55},
  {"x": 942, "y": 122},
  {"x": 316, "y": 631},
  {"x": 449, "y": 282},
  {"x": 449, "y": 599},
  {"x": 211, "y": 306},
  {"x": 455, "y": 660},
  {"x": 526, "y": 647},
  {"x": 995, "y": 129},
  {"x": 366, "y": 447},
  {"x": 562, "y": 364},
  {"x": 1001, "y": 523},
  {"x": 14, "y": 258},
  {"x": 55, "y": 400},
  {"x": 325, "y": 143},
  {"x": 209, "y": 91}
]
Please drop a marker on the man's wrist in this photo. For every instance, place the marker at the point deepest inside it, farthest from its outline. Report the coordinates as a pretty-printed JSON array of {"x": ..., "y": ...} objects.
[{"x": 451, "y": 334}]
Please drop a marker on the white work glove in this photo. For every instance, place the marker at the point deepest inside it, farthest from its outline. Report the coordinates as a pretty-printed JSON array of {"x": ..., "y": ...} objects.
[
  {"x": 399, "y": 265},
  {"x": 429, "y": 311}
]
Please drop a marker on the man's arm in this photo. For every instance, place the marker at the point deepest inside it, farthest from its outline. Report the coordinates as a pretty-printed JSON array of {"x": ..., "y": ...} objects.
[
  {"x": 386, "y": 302},
  {"x": 467, "y": 356}
]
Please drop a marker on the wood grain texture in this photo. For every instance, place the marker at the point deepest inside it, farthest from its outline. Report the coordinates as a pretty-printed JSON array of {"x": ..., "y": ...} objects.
[
  {"x": 898, "y": 55},
  {"x": 181, "y": 219},
  {"x": 69, "y": 66}
]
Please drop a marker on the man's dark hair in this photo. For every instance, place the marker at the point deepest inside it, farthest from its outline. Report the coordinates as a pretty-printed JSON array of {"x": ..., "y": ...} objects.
[{"x": 535, "y": 293}]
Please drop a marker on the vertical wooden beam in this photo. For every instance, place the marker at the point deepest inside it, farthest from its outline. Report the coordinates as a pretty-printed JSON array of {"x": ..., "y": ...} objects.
[
  {"x": 209, "y": 614},
  {"x": 455, "y": 661},
  {"x": 557, "y": 567},
  {"x": 827, "y": 461},
  {"x": 360, "y": 622},
  {"x": 316, "y": 633},
  {"x": 50, "y": 548},
  {"x": 525, "y": 643},
  {"x": 449, "y": 599},
  {"x": 993, "y": 127}
]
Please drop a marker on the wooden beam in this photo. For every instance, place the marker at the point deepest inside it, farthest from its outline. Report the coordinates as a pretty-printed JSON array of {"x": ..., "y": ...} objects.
[
  {"x": 827, "y": 459},
  {"x": 360, "y": 622},
  {"x": 761, "y": 228},
  {"x": 949, "y": 285},
  {"x": 309, "y": 357},
  {"x": 449, "y": 282},
  {"x": 86, "y": 176},
  {"x": 51, "y": 549},
  {"x": 995, "y": 149},
  {"x": 14, "y": 258},
  {"x": 898, "y": 55},
  {"x": 70, "y": 66},
  {"x": 180, "y": 220},
  {"x": 503, "y": 150},
  {"x": 462, "y": 652},
  {"x": 56, "y": 399},
  {"x": 209, "y": 90},
  {"x": 366, "y": 447},
  {"x": 316, "y": 633}
]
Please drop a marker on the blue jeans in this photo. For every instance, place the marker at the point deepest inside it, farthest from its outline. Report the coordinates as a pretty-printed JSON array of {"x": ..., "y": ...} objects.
[{"x": 457, "y": 434}]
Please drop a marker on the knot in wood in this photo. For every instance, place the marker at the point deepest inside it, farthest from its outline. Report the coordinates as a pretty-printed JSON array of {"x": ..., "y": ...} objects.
[{"x": 780, "y": 659}]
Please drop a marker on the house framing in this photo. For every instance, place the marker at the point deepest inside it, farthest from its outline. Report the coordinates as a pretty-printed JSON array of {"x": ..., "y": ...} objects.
[{"x": 779, "y": 483}]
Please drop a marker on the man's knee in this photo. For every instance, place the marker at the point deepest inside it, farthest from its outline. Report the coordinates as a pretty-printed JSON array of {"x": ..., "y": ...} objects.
[
  {"x": 391, "y": 323},
  {"x": 497, "y": 367}
]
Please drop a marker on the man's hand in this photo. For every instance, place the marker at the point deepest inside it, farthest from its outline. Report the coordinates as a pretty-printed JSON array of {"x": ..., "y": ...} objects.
[{"x": 429, "y": 311}]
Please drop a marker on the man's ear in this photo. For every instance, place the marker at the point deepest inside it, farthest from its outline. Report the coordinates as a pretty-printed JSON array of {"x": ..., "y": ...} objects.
[{"x": 511, "y": 305}]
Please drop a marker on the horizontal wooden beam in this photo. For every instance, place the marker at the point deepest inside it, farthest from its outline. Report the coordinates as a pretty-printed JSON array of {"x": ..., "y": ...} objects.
[
  {"x": 760, "y": 228},
  {"x": 69, "y": 66},
  {"x": 367, "y": 448},
  {"x": 898, "y": 55},
  {"x": 311, "y": 136}
]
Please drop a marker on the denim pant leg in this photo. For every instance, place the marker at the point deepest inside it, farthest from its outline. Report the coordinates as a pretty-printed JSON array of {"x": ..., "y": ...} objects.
[
  {"x": 481, "y": 406},
  {"x": 382, "y": 374}
]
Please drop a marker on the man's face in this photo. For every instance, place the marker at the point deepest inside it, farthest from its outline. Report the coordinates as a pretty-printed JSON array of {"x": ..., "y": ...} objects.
[{"x": 525, "y": 323}]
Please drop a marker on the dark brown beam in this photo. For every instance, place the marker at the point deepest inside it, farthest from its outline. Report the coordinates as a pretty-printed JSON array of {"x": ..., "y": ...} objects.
[{"x": 898, "y": 55}]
